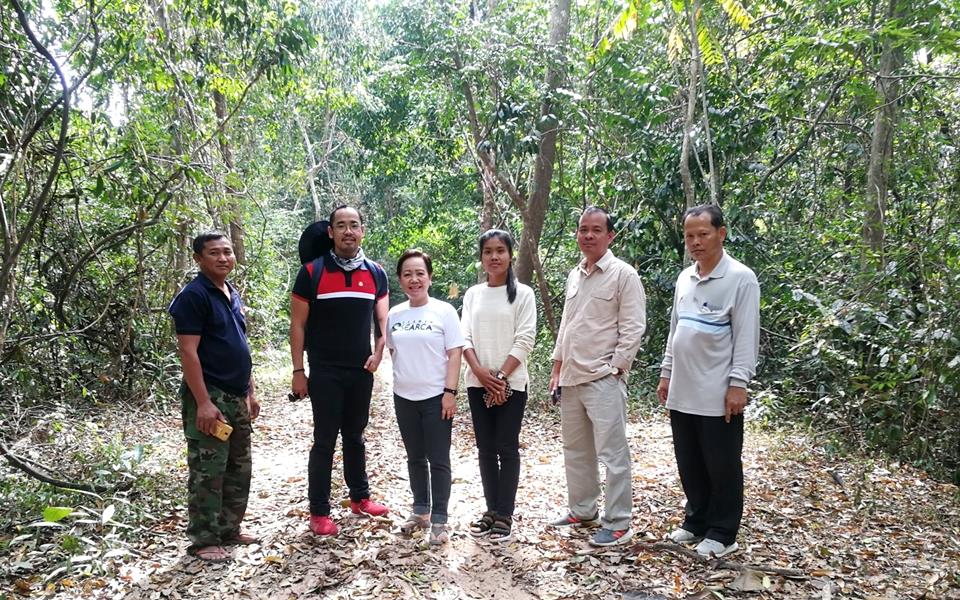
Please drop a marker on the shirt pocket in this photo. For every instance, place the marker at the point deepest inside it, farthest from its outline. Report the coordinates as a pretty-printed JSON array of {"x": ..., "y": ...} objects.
[
  {"x": 714, "y": 314},
  {"x": 606, "y": 292}
]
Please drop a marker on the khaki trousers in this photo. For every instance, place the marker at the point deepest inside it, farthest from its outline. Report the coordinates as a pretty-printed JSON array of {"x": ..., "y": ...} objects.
[{"x": 593, "y": 418}]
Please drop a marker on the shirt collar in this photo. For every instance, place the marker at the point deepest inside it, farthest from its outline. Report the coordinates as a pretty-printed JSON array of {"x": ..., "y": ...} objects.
[
  {"x": 207, "y": 282},
  {"x": 718, "y": 271},
  {"x": 603, "y": 264}
]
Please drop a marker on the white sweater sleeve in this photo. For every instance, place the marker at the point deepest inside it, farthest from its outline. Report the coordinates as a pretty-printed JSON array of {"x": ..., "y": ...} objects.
[{"x": 525, "y": 309}]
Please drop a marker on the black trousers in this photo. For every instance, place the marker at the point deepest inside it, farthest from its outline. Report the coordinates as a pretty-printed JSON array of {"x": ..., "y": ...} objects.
[
  {"x": 708, "y": 451},
  {"x": 497, "y": 430},
  {"x": 426, "y": 437},
  {"x": 341, "y": 406}
]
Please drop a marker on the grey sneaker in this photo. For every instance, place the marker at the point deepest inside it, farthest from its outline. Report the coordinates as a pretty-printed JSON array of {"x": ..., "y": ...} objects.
[
  {"x": 609, "y": 537},
  {"x": 682, "y": 536},
  {"x": 708, "y": 548},
  {"x": 571, "y": 521}
]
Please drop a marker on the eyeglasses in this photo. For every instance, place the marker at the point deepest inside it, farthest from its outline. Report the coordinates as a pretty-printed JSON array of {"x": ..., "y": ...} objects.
[{"x": 344, "y": 227}]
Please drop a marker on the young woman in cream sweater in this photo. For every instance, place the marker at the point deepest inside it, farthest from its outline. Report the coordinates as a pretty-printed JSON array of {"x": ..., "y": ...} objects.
[{"x": 499, "y": 323}]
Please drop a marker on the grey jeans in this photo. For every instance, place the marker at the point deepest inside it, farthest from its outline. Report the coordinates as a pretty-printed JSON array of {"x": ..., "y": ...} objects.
[{"x": 593, "y": 418}]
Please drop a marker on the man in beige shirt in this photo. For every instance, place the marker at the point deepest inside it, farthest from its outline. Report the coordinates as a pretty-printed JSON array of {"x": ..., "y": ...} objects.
[{"x": 603, "y": 322}]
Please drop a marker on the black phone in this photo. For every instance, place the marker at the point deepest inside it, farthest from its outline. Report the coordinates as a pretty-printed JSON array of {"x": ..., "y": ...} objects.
[{"x": 555, "y": 395}]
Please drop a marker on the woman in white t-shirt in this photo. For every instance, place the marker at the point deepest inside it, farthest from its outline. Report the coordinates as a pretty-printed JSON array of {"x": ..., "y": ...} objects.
[
  {"x": 500, "y": 327},
  {"x": 425, "y": 342}
]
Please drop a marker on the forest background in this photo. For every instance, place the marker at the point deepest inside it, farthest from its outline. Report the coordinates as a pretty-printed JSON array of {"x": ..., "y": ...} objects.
[{"x": 827, "y": 130}]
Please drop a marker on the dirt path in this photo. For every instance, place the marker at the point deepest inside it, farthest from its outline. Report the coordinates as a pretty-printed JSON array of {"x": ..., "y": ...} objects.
[{"x": 884, "y": 532}]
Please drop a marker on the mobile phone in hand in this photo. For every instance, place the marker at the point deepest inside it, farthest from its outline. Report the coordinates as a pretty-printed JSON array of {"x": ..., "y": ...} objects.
[
  {"x": 222, "y": 431},
  {"x": 555, "y": 395}
]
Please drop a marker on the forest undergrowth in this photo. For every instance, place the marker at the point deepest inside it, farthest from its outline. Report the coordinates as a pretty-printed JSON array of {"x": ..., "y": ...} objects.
[{"x": 816, "y": 524}]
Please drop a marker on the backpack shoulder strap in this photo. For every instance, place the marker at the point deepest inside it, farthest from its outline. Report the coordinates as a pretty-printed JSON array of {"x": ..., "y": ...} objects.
[
  {"x": 316, "y": 271},
  {"x": 380, "y": 279},
  {"x": 379, "y": 276}
]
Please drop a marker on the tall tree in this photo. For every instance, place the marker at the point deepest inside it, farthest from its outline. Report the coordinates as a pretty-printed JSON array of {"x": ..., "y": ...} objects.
[
  {"x": 532, "y": 200},
  {"x": 232, "y": 215},
  {"x": 534, "y": 210},
  {"x": 881, "y": 139}
]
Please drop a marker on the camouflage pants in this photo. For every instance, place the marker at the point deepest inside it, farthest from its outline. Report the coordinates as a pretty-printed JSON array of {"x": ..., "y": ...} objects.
[{"x": 219, "y": 479}]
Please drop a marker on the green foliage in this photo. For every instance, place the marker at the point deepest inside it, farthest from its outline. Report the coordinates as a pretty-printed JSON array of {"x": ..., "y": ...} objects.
[
  {"x": 708, "y": 49},
  {"x": 737, "y": 13},
  {"x": 69, "y": 533},
  {"x": 54, "y": 514},
  {"x": 342, "y": 102}
]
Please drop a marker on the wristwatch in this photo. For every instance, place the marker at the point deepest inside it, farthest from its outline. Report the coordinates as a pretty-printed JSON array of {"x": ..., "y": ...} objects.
[
  {"x": 501, "y": 375},
  {"x": 447, "y": 390}
]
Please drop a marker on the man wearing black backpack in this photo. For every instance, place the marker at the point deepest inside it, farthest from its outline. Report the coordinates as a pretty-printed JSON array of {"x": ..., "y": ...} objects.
[{"x": 336, "y": 298}]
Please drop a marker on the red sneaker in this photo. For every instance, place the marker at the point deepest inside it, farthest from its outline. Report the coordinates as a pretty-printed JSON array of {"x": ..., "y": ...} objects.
[
  {"x": 368, "y": 507},
  {"x": 323, "y": 525}
]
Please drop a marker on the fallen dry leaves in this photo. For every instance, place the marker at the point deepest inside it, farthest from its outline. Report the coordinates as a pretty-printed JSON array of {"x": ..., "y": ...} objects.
[{"x": 813, "y": 528}]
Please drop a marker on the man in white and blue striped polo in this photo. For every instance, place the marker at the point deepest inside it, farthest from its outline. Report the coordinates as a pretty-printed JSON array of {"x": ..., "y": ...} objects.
[{"x": 710, "y": 357}]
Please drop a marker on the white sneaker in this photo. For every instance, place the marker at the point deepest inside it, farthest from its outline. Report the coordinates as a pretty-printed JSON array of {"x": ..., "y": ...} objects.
[
  {"x": 708, "y": 548},
  {"x": 682, "y": 536}
]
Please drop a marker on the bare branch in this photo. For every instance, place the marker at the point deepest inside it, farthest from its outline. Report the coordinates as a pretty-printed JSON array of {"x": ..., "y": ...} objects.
[
  {"x": 43, "y": 473},
  {"x": 806, "y": 138},
  {"x": 717, "y": 562},
  {"x": 11, "y": 256}
]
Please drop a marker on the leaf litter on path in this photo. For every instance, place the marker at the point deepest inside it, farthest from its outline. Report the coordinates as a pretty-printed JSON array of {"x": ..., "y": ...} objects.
[{"x": 900, "y": 539}]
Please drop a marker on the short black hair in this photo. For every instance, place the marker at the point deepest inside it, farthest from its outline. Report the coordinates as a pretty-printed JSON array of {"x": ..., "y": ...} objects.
[
  {"x": 208, "y": 236},
  {"x": 716, "y": 215},
  {"x": 413, "y": 253},
  {"x": 339, "y": 207},
  {"x": 596, "y": 209}
]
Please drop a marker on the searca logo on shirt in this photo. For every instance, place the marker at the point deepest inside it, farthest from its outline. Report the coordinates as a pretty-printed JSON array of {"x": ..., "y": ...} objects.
[{"x": 416, "y": 325}]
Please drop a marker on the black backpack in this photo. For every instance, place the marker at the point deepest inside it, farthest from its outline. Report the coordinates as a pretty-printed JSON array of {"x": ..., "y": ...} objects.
[{"x": 314, "y": 241}]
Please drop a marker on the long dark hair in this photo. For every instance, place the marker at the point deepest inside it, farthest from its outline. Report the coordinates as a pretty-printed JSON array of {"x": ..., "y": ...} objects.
[{"x": 507, "y": 240}]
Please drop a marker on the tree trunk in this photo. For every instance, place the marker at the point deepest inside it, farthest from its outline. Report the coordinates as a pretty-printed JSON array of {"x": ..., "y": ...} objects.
[
  {"x": 489, "y": 211},
  {"x": 181, "y": 245},
  {"x": 488, "y": 185},
  {"x": 533, "y": 208},
  {"x": 28, "y": 214},
  {"x": 329, "y": 135},
  {"x": 588, "y": 131},
  {"x": 881, "y": 143},
  {"x": 714, "y": 176},
  {"x": 689, "y": 190},
  {"x": 233, "y": 217},
  {"x": 312, "y": 167},
  {"x": 539, "y": 199}
]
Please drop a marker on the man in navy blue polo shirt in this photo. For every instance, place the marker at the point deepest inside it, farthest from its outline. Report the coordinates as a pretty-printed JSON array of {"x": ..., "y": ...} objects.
[
  {"x": 217, "y": 388},
  {"x": 332, "y": 322}
]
